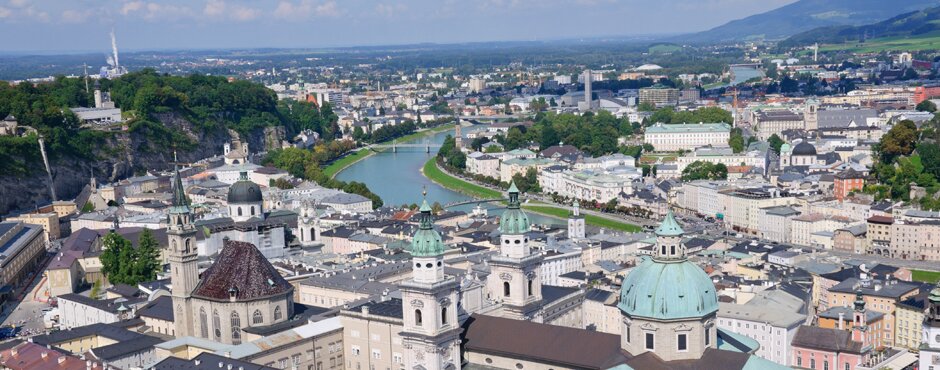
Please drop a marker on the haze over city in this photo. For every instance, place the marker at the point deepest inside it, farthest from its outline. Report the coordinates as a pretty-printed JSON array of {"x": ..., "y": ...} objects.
[{"x": 64, "y": 25}]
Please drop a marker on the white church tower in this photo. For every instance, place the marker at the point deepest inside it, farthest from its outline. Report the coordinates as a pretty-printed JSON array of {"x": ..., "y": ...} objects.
[
  {"x": 431, "y": 333},
  {"x": 515, "y": 279},
  {"x": 576, "y": 223},
  {"x": 930, "y": 343},
  {"x": 308, "y": 224}
]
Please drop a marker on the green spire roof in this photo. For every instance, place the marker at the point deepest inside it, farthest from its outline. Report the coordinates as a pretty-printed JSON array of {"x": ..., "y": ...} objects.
[
  {"x": 514, "y": 220},
  {"x": 180, "y": 202},
  {"x": 669, "y": 227},
  {"x": 426, "y": 241}
]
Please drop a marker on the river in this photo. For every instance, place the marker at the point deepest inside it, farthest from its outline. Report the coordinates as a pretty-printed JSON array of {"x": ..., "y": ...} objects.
[{"x": 397, "y": 178}]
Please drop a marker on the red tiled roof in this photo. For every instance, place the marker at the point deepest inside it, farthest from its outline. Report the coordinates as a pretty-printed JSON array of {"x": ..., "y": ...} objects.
[
  {"x": 881, "y": 220},
  {"x": 241, "y": 266}
]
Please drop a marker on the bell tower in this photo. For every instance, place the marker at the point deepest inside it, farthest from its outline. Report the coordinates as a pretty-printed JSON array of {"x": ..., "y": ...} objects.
[
  {"x": 431, "y": 333},
  {"x": 576, "y": 223},
  {"x": 930, "y": 343},
  {"x": 308, "y": 224},
  {"x": 182, "y": 255},
  {"x": 515, "y": 279}
]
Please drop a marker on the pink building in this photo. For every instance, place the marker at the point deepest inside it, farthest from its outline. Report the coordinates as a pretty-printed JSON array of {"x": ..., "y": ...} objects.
[{"x": 827, "y": 349}]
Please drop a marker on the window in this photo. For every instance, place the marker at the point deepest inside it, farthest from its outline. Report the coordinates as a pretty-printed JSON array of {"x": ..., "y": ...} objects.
[
  {"x": 418, "y": 319},
  {"x": 376, "y": 354},
  {"x": 812, "y": 363},
  {"x": 216, "y": 325},
  {"x": 799, "y": 360},
  {"x": 203, "y": 323},
  {"x": 650, "y": 339},
  {"x": 681, "y": 342},
  {"x": 847, "y": 366},
  {"x": 662, "y": 249},
  {"x": 252, "y": 210},
  {"x": 236, "y": 328},
  {"x": 277, "y": 313},
  {"x": 708, "y": 337},
  {"x": 825, "y": 365},
  {"x": 672, "y": 250},
  {"x": 313, "y": 235},
  {"x": 239, "y": 211},
  {"x": 628, "y": 333},
  {"x": 530, "y": 286},
  {"x": 506, "y": 289},
  {"x": 256, "y": 317},
  {"x": 443, "y": 315}
]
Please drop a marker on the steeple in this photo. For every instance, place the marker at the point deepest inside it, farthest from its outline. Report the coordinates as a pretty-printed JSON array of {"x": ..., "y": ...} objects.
[
  {"x": 182, "y": 256},
  {"x": 180, "y": 202},
  {"x": 669, "y": 247},
  {"x": 514, "y": 220}
]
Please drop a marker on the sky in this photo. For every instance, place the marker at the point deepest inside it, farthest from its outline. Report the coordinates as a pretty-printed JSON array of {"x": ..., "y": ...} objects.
[{"x": 83, "y": 25}]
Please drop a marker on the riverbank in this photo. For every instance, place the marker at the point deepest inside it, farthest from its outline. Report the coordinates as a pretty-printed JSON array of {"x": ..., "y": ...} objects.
[
  {"x": 339, "y": 165},
  {"x": 437, "y": 175}
]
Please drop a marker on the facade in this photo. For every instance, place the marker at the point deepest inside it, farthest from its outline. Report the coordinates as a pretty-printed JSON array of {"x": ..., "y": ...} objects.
[
  {"x": 659, "y": 96},
  {"x": 910, "y": 317},
  {"x": 21, "y": 246},
  {"x": 48, "y": 221},
  {"x": 685, "y": 136},
  {"x": 772, "y": 327},
  {"x": 723, "y": 155},
  {"x": 930, "y": 342},
  {"x": 576, "y": 228},
  {"x": 515, "y": 277},
  {"x": 770, "y": 122},
  {"x": 880, "y": 296},
  {"x": 846, "y": 182}
]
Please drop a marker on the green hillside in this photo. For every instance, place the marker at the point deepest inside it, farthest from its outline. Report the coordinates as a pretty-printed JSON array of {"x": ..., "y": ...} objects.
[{"x": 916, "y": 30}]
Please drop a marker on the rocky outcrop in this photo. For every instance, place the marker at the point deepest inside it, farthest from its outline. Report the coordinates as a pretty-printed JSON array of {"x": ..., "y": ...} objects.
[{"x": 126, "y": 154}]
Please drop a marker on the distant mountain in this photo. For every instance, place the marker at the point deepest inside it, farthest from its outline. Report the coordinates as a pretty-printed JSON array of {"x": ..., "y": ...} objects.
[
  {"x": 913, "y": 24},
  {"x": 805, "y": 15}
]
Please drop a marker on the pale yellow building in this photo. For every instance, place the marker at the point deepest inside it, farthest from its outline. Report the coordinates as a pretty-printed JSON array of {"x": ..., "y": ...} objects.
[{"x": 48, "y": 221}]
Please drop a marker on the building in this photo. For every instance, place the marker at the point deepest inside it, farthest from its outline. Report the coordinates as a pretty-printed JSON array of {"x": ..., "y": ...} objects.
[
  {"x": 515, "y": 270},
  {"x": 910, "y": 318},
  {"x": 686, "y": 136},
  {"x": 724, "y": 155},
  {"x": 48, "y": 221},
  {"x": 848, "y": 181},
  {"x": 820, "y": 348},
  {"x": 843, "y": 318},
  {"x": 771, "y": 326},
  {"x": 877, "y": 295},
  {"x": 477, "y": 85},
  {"x": 32, "y": 356},
  {"x": 21, "y": 247},
  {"x": 771, "y": 122},
  {"x": 241, "y": 286},
  {"x": 878, "y": 234},
  {"x": 930, "y": 344},
  {"x": 576, "y": 228},
  {"x": 247, "y": 221},
  {"x": 659, "y": 96}
]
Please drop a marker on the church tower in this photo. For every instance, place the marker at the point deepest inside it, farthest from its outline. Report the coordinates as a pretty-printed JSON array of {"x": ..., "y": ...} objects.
[
  {"x": 308, "y": 224},
  {"x": 576, "y": 223},
  {"x": 859, "y": 321},
  {"x": 515, "y": 279},
  {"x": 431, "y": 333},
  {"x": 182, "y": 255},
  {"x": 930, "y": 343}
]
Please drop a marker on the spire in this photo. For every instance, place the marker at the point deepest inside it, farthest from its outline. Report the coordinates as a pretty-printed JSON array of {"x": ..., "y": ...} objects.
[
  {"x": 513, "y": 196},
  {"x": 669, "y": 226},
  {"x": 859, "y": 302},
  {"x": 180, "y": 202},
  {"x": 426, "y": 242}
]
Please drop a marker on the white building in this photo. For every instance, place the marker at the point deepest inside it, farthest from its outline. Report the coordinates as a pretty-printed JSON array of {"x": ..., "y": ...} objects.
[
  {"x": 723, "y": 155},
  {"x": 770, "y": 326},
  {"x": 674, "y": 137}
]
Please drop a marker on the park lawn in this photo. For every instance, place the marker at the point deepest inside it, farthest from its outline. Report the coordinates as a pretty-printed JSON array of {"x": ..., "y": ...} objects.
[
  {"x": 434, "y": 173},
  {"x": 925, "y": 276},
  {"x": 340, "y": 164},
  {"x": 589, "y": 219}
]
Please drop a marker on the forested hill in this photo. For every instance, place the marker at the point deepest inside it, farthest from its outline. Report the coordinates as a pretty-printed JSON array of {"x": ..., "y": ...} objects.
[
  {"x": 805, "y": 15},
  {"x": 913, "y": 24},
  {"x": 192, "y": 115}
]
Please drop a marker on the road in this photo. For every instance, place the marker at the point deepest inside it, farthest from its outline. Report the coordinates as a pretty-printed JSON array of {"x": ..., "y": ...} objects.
[{"x": 24, "y": 310}]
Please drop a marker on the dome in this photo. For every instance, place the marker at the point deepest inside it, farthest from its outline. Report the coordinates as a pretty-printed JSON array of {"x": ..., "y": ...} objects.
[
  {"x": 668, "y": 291},
  {"x": 804, "y": 148},
  {"x": 426, "y": 241},
  {"x": 244, "y": 191},
  {"x": 785, "y": 148},
  {"x": 669, "y": 226},
  {"x": 514, "y": 219}
]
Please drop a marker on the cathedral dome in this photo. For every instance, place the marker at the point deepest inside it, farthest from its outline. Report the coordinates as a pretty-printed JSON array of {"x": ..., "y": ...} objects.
[
  {"x": 244, "y": 191},
  {"x": 426, "y": 241},
  {"x": 514, "y": 219},
  {"x": 804, "y": 148},
  {"x": 667, "y": 291},
  {"x": 668, "y": 286}
]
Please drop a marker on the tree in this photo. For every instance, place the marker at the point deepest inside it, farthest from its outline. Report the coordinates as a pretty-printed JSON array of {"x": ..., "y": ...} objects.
[
  {"x": 900, "y": 140},
  {"x": 775, "y": 143},
  {"x": 95, "y": 289},
  {"x": 88, "y": 207},
  {"x": 437, "y": 208},
  {"x": 146, "y": 257},
  {"x": 700, "y": 170},
  {"x": 493, "y": 149},
  {"x": 117, "y": 259},
  {"x": 282, "y": 183},
  {"x": 736, "y": 140},
  {"x": 927, "y": 106}
]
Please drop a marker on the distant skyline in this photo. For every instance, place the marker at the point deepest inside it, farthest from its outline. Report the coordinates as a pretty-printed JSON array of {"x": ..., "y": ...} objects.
[{"x": 83, "y": 25}]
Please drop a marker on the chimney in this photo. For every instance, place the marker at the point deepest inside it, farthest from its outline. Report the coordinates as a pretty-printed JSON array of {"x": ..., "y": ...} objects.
[
  {"x": 44, "y": 354},
  {"x": 228, "y": 354},
  {"x": 365, "y": 310},
  {"x": 196, "y": 362},
  {"x": 841, "y": 317},
  {"x": 61, "y": 359}
]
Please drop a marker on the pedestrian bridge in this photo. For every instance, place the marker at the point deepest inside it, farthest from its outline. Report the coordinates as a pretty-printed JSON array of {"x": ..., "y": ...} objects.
[
  {"x": 474, "y": 201},
  {"x": 394, "y": 147}
]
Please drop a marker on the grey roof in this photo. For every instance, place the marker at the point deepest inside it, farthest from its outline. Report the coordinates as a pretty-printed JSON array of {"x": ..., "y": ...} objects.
[
  {"x": 848, "y": 312},
  {"x": 110, "y": 331},
  {"x": 160, "y": 308},
  {"x": 207, "y": 361},
  {"x": 832, "y": 118},
  {"x": 344, "y": 199},
  {"x": 391, "y": 308},
  {"x": 893, "y": 289},
  {"x": 108, "y": 305},
  {"x": 551, "y": 293},
  {"x": 598, "y": 295},
  {"x": 782, "y": 211},
  {"x": 116, "y": 351},
  {"x": 834, "y": 340},
  {"x": 768, "y": 314}
]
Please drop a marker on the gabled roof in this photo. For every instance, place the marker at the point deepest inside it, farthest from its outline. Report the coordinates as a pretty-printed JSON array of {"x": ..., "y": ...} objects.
[{"x": 833, "y": 340}]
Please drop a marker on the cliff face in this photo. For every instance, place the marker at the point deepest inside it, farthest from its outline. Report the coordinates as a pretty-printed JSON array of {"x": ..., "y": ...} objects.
[{"x": 125, "y": 155}]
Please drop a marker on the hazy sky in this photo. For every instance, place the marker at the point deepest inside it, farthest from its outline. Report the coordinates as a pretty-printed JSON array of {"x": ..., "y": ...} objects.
[{"x": 83, "y": 25}]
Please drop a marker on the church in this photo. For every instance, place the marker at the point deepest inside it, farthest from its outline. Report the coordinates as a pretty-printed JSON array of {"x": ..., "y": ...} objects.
[
  {"x": 241, "y": 289},
  {"x": 667, "y": 305}
]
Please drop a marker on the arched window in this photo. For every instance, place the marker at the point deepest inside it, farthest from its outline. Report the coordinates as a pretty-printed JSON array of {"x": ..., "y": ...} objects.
[
  {"x": 203, "y": 323},
  {"x": 302, "y": 234},
  {"x": 187, "y": 243},
  {"x": 236, "y": 329},
  {"x": 313, "y": 235},
  {"x": 506, "y": 288},
  {"x": 444, "y": 315},
  {"x": 256, "y": 318},
  {"x": 252, "y": 210},
  {"x": 418, "y": 318},
  {"x": 239, "y": 211},
  {"x": 277, "y": 313},
  {"x": 530, "y": 286},
  {"x": 216, "y": 325}
]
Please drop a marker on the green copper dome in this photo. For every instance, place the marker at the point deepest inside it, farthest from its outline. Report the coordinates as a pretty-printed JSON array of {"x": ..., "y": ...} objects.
[
  {"x": 669, "y": 227},
  {"x": 426, "y": 241},
  {"x": 514, "y": 220},
  {"x": 667, "y": 291}
]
